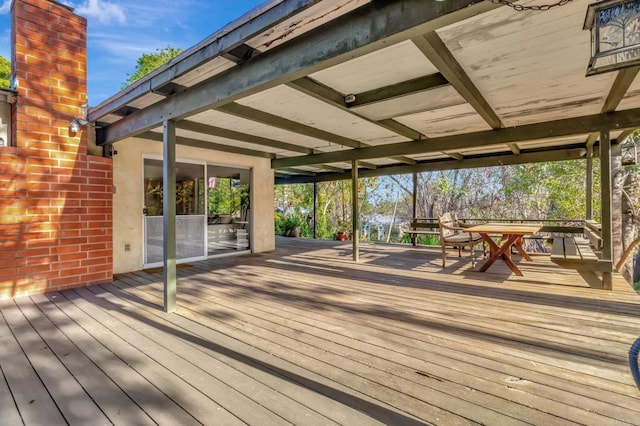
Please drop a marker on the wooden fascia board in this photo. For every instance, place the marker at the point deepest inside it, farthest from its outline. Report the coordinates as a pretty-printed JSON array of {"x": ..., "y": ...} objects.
[
  {"x": 365, "y": 30},
  {"x": 558, "y": 128},
  {"x": 209, "y": 49}
]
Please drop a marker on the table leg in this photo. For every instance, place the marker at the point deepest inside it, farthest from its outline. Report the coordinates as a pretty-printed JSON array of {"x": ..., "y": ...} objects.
[
  {"x": 520, "y": 247},
  {"x": 501, "y": 251}
]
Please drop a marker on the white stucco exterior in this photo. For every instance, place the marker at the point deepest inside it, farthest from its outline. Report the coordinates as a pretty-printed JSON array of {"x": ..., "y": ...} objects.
[{"x": 128, "y": 197}]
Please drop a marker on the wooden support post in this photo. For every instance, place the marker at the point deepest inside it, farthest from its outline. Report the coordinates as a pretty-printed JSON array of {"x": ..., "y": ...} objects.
[
  {"x": 169, "y": 214},
  {"x": 315, "y": 210},
  {"x": 414, "y": 207},
  {"x": 355, "y": 220},
  {"x": 606, "y": 206},
  {"x": 589, "y": 184}
]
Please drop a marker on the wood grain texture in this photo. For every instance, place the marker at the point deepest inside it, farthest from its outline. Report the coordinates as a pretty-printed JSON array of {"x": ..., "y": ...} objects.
[{"x": 305, "y": 336}]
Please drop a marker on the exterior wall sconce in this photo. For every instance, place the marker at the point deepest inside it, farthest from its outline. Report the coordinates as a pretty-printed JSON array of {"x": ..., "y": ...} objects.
[
  {"x": 615, "y": 35},
  {"x": 76, "y": 124}
]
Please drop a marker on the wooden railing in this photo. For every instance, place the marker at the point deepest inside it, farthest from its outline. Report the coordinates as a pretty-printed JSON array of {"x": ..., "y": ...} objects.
[{"x": 550, "y": 226}]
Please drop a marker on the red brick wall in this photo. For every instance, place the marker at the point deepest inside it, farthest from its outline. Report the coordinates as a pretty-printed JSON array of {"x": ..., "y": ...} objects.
[{"x": 55, "y": 199}]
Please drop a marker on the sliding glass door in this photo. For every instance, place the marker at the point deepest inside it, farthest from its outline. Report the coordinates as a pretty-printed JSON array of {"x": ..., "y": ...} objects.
[
  {"x": 190, "y": 211},
  {"x": 228, "y": 218},
  {"x": 212, "y": 211}
]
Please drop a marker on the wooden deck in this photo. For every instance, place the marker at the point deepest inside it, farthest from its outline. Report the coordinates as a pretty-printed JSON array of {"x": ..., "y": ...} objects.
[{"x": 304, "y": 336}]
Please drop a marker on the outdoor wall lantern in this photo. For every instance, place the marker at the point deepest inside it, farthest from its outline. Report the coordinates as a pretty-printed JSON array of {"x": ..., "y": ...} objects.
[
  {"x": 76, "y": 124},
  {"x": 615, "y": 35}
]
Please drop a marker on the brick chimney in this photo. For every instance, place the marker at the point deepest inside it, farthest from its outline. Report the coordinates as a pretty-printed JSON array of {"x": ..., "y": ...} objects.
[{"x": 56, "y": 205}]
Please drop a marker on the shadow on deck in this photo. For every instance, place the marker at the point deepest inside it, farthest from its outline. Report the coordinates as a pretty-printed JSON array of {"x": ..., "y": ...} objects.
[{"x": 303, "y": 335}]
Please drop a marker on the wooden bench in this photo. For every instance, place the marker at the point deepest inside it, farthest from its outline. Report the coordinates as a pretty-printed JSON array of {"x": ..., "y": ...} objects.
[
  {"x": 573, "y": 253},
  {"x": 577, "y": 253},
  {"x": 421, "y": 227}
]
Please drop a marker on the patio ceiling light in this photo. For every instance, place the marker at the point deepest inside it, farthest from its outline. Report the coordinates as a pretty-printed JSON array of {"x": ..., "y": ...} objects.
[{"x": 615, "y": 35}]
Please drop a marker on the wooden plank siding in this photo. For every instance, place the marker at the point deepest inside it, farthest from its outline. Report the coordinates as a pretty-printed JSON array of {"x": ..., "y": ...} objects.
[{"x": 305, "y": 336}]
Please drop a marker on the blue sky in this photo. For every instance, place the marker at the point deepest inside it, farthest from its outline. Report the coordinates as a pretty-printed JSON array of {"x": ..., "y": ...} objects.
[{"x": 119, "y": 32}]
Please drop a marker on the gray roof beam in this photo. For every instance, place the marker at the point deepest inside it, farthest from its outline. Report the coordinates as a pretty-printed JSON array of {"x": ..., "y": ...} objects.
[
  {"x": 405, "y": 88},
  {"x": 565, "y": 127},
  {"x": 196, "y": 143},
  {"x": 242, "y": 137},
  {"x": 563, "y": 154},
  {"x": 214, "y": 46},
  {"x": 432, "y": 46}
]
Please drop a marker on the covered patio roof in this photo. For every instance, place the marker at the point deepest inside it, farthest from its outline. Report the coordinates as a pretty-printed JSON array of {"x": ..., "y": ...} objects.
[{"x": 400, "y": 86}]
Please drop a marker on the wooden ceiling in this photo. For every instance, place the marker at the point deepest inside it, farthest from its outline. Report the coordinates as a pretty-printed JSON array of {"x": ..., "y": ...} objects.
[{"x": 400, "y": 86}]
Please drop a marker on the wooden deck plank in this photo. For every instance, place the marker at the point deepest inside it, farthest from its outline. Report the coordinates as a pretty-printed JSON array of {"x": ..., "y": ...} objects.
[
  {"x": 305, "y": 336},
  {"x": 407, "y": 367},
  {"x": 334, "y": 330},
  {"x": 182, "y": 380},
  {"x": 331, "y": 398},
  {"x": 111, "y": 400},
  {"x": 331, "y": 371},
  {"x": 447, "y": 358},
  {"x": 236, "y": 382},
  {"x": 67, "y": 394},
  {"x": 285, "y": 378},
  {"x": 303, "y": 313},
  {"x": 26, "y": 399},
  {"x": 143, "y": 381},
  {"x": 8, "y": 408}
]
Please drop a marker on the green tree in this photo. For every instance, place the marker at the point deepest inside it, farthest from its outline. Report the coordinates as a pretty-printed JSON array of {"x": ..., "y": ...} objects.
[
  {"x": 5, "y": 73},
  {"x": 150, "y": 61}
]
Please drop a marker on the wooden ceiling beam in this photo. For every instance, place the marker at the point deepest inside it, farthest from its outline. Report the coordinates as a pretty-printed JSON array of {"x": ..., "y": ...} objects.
[
  {"x": 206, "y": 129},
  {"x": 399, "y": 90},
  {"x": 263, "y": 117},
  {"x": 619, "y": 88},
  {"x": 196, "y": 143},
  {"x": 297, "y": 171},
  {"x": 432, "y": 46},
  {"x": 566, "y": 153},
  {"x": 214, "y": 46},
  {"x": 529, "y": 132},
  {"x": 329, "y": 96},
  {"x": 366, "y": 29}
]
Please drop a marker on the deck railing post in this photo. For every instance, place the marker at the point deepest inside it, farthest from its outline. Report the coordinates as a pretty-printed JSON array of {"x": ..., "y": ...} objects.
[
  {"x": 169, "y": 214},
  {"x": 589, "y": 184},
  {"x": 414, "y": 196},
  {"x": 355, "y": 220},
  {"x": 315, "y": 210},
  {"x": 606, "y": 205}
]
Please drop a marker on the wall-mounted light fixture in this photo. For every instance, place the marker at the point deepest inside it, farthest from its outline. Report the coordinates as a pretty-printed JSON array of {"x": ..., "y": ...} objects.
[
  {"x": 615, "y": 38},
  {"x": 77, "y": 123}
]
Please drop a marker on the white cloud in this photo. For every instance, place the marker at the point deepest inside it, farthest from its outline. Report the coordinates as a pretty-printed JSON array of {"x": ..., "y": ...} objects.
[
  {"x": 103, "y": 11},
  {"x": 5, "y": 6}
]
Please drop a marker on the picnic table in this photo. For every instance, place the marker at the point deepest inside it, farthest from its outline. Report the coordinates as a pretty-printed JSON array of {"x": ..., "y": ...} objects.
[{"x": 512, "y": 236}]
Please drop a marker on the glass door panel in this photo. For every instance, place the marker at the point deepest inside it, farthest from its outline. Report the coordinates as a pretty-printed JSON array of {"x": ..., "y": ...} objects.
[
  {"x": 190, "y": 207},
  {"x": 228, "y": 210}
]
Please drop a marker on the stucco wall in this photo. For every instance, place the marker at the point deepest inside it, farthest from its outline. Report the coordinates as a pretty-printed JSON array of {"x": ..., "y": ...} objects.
[{"x": 127, "y": 200}]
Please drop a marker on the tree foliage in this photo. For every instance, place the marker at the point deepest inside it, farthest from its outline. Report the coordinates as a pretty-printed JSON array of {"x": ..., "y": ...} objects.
[
  {"x": 5, "y": 73},
  {"x": 150, "y": 61}
]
